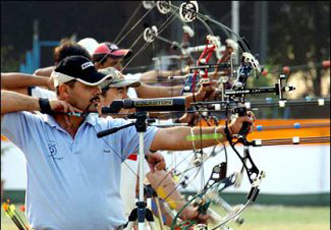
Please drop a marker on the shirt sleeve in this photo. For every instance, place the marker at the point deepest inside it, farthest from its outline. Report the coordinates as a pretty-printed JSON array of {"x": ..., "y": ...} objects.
[
  {"x": 18, "y": 127},
  {"x": 130, "y": 138}
]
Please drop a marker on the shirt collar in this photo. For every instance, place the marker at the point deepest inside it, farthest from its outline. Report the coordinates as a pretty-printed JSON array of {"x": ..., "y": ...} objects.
[
  {"x": 50, "y": 120},
  {"x": 90, "y": 119}
]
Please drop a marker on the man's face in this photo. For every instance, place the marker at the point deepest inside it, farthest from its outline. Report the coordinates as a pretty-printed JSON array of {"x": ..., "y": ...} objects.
[
  {"x": 114, "y": 94},
  {"x": 229, "y": 49},
  {"x": 84, "y": 97},
  {"x": 112, "y": 62}
]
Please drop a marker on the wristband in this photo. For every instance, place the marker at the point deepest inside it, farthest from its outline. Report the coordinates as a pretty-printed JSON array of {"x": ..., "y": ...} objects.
[{"x": 44, "y": 105}]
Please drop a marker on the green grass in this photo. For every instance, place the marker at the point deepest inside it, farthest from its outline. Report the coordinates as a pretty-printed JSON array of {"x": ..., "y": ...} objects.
[
  {"x": 285, "y": 218},
  {"x": 259, "y": 218}
]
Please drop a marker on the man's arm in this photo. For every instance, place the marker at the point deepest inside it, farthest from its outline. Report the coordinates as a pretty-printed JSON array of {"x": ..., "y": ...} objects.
[
  {"x": 206, "y": 91},
  {"x": 177, "y": 138},
  {"x": 19, "y": 82},
  {"x": 149, "y": 91},
  {"x": 46, "y": 71},
  {"x": 15, "y": 102},
  {"x": 152, "y": 75}
]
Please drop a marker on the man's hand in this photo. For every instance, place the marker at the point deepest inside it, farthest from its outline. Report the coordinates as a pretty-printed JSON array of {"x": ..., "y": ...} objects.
[
  {"x": 192, "y": 213},
  {"x": 63, "y": 107},
  {"x": 236, "y": 124},
  {"x": 207, "y": 90},
  {"x": 190, "y": 118},
  {"x": 155, "y": 161}
]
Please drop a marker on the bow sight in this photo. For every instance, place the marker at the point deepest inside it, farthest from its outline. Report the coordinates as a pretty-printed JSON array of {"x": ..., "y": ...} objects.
[{"x": 234, "y": 99}]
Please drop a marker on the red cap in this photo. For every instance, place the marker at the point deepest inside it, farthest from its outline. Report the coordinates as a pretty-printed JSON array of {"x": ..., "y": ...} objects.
[
  {"x": 111, "y": 49},
  {"x": 326, "y": 64}
]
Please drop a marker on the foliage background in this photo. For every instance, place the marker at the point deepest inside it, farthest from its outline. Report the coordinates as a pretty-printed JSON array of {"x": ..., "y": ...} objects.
[{"x": 297, "y": 33}]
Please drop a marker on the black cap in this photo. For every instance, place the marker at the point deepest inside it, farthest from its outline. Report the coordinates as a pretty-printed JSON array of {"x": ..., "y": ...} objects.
[{"x": 78, "y": 68}]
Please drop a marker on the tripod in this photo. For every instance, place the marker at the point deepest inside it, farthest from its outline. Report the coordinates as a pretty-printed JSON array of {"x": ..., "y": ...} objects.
[
  {"x": 140, "y": 213},
  {"x": 146, "y": 214}
]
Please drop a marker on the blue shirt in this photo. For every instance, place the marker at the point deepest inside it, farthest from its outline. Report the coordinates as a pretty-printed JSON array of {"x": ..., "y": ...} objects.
[{"x": 73, "y": 183}]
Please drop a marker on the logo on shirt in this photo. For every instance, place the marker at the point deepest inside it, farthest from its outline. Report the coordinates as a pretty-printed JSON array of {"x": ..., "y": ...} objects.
[
  {"x": 53, "y": 151},
  {"x": 106, "y": 151}
]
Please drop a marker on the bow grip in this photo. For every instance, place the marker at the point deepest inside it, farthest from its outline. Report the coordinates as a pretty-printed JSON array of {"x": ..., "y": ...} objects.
[
  {"x": 244, "y": 129},
  {"x": 242, "y": 111}
]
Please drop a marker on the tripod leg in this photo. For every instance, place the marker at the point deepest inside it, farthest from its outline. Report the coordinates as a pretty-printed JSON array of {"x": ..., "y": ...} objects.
[
  {"x": 130, "y": 226},
  {"x": 157, "y": 202},
  {"x": 152, "y": 225},
  {"x": 149, "y": 218}
]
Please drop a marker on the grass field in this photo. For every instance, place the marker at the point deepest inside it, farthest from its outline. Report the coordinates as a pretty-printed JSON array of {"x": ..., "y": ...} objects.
[{"x": 261, "y": 218}]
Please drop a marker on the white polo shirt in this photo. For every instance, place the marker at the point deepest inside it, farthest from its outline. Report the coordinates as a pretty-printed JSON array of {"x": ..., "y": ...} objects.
[{"x": 73, "y": 183}]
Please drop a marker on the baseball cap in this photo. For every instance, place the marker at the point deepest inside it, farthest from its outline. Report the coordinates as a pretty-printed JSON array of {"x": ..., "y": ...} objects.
[
  {"x": 78, "y": 68},
  {"x": 117, "y": 80},
  {"x": 90, "y": 44},
  {"x": 107, "y": 48}
]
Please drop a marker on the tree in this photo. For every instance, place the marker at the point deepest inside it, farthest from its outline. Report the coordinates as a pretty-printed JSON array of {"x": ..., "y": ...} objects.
[{"x": 300, "y": 34}]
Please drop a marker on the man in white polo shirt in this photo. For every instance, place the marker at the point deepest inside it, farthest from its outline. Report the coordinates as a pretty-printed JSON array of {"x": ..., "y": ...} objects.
[{"x": 73, "y": 176}]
